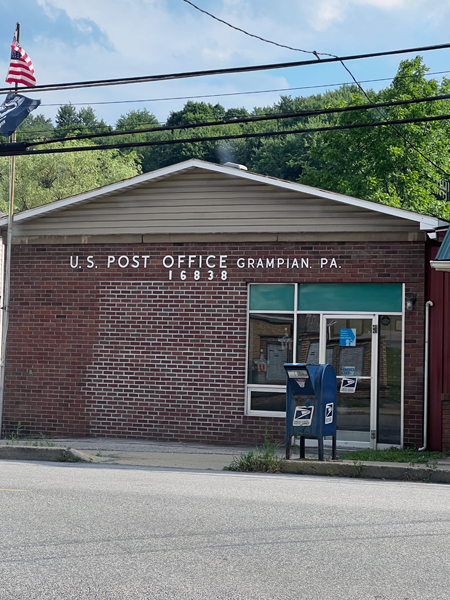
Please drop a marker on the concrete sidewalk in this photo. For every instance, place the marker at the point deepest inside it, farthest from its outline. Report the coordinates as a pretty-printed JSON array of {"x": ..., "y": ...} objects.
[
  {"x": 124, "y": 452},
  {"x": 145, "y": 453}
]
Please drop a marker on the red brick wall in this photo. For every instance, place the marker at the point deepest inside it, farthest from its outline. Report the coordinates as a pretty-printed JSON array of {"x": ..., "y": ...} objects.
[{"x": 126, "y": 352}]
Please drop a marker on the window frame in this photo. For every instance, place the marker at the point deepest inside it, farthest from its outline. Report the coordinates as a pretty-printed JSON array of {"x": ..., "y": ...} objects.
[{"x": 295, "y": 312}]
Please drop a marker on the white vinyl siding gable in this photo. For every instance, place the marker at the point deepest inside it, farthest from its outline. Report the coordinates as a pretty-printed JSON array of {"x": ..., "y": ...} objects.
[{"x": 198, "y": 201}]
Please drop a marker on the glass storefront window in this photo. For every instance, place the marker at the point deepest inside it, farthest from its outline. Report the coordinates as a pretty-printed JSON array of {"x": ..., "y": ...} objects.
[
  {"x": 349, "y": 350},
  {"x": 390, "y": 380},
  {"x": 353, "y": 412},
  {"x": 268, "y": 401},
  {"x": 353, "y": 359},
  {"x": 365, "y": 348},
  {"x": 308, "y": 336},
  {"x": 270, "y": 346}
]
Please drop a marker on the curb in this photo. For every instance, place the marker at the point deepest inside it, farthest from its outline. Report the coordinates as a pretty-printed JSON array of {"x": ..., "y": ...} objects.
[
  {"x": 53, "y": 454},
  {"x": 350, "y": 469},
  {"x": 366, "y": 471}
]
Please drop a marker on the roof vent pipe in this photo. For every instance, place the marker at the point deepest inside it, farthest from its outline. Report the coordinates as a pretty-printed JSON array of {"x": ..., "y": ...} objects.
[{"x": 235, "y": 166}]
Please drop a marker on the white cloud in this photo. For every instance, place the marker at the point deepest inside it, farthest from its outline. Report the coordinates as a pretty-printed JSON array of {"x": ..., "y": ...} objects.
[
  {"x": 50, "y": 10},
  {"x": 322, "y": 14},
  {"x": 325, "y": 13},
  {"x": 164, "y": 36},
  {"x": 388, "y": 4}
]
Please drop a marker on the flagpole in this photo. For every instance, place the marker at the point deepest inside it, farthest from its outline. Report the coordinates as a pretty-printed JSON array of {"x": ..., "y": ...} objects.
[{"x": 7, "y": 278}]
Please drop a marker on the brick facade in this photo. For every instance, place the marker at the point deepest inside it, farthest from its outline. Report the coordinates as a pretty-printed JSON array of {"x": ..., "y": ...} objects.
[{"x": 125, "y": 351}]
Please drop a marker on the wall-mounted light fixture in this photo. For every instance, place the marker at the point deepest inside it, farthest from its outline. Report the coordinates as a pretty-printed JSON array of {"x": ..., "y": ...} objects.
[{"x": 410, "y": 300}]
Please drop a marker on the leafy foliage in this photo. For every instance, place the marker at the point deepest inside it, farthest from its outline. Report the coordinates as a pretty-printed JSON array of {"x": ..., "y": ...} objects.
[
  {"x": 379, "y": 164},
  {"x": 147, "y": 157},
  {"x": 44, "y": 178},
  {"x": 69, "y": 121},
  {"x": 35, "y": 128}
]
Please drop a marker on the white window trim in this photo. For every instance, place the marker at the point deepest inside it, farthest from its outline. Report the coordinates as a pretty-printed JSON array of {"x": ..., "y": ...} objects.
[{"x": 249, "y": 387}]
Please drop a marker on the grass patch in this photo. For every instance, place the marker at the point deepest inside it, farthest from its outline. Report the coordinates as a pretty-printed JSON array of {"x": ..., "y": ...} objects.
[
  {"x": 406, "y": 455},
  {"x": 67, "y": 456},
  {"x": 264, "y": 459}
]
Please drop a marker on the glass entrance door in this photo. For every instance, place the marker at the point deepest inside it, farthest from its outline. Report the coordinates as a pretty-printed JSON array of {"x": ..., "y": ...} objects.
[{"x": 348, "y": 343}]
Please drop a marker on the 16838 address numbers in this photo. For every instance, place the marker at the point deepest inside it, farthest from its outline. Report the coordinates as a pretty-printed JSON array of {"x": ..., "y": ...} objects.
[{"x": 197, "y": 275}]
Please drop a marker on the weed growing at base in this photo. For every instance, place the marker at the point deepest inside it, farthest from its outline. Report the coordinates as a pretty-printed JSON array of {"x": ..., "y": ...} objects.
[
  {"x": 264, "y": 459},
  {"x": 15, "y": 433},
  {"x": 67, "y": 456},
  {"x": 15, "y": 437}
]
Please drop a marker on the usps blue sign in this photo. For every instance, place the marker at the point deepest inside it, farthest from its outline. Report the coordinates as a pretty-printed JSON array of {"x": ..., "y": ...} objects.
[
  {"x": 347, "y": 337},
  {"x": 348, "y": 385},
  {"x": 303, "y": 416}
]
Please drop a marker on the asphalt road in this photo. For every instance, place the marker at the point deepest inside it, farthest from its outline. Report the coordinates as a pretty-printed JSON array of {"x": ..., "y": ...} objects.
[{"x": 86, "y": 531}]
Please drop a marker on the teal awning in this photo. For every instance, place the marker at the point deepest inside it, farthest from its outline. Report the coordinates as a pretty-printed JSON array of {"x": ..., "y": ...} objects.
[{"x": 444, "y": 250}]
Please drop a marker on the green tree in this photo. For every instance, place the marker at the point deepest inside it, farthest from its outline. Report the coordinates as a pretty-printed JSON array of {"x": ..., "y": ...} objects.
[
  {"x": 69, "y": 121},
  {"x": 213, "y": 151},
  {"x": 34, "y": 128},
  {"x": 44, "y": 178},
  {"x": 149, "y": 157},
  {"x": 66, "y": 116},
  {"x": 196, "y": 112},
  {"x": 378, "y": 163}
]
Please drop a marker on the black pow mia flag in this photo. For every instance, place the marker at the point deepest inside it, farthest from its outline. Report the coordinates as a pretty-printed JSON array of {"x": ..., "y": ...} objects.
[{"x": 14, "y": 110}]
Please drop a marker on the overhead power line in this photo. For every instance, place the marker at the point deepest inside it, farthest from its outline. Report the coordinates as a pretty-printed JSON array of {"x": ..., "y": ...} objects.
[
  {"x": 39, "y": 132},
  {"x": 247, "y": 93},
  {"x": 207, "y": 73},
  {"x": 397, "y": 131},
  {"x": 20, "y": 148},
  {"x": 240, "y": 120}
]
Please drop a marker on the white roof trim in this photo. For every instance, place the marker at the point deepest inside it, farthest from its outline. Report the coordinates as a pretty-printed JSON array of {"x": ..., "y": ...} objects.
[
  {"x": 440, "y": 265},
  {"x": 426, "y": 222}
]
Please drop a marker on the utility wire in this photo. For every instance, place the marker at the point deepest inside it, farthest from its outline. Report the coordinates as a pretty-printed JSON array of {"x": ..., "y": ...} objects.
[
  {"x": 341, "y": 60},
  {"x": 20, "y": 148},
  {"x": 316, "y": 54},
  {"x": 207, "y": 73},
  {"x": 38, "y": 132},
  {"x": 242, "y": 120},
  {"x": 397, "y": 131},
  {"x": 249, "y": 92}
]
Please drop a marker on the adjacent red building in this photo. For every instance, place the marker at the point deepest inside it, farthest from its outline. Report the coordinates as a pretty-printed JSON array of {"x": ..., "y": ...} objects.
[{"x": 438, "y": 293}]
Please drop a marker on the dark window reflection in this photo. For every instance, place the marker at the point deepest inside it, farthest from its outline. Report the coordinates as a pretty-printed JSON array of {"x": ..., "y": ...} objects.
[{"x": 270, "y": 346}]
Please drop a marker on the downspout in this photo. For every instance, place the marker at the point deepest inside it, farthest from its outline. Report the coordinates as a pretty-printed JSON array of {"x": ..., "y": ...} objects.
[{"x": 428, "y": 305}]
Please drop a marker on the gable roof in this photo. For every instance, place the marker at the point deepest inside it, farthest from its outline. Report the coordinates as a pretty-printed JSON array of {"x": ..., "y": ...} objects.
[{"x": 283, "y": 195}]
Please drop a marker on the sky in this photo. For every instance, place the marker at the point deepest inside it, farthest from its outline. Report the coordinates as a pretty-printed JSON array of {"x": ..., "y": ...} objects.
[{"x": 79, "y": 40}]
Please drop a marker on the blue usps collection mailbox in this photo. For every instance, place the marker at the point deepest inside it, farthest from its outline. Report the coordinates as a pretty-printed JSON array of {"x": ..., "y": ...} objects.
[{"x": 310, "y": 405}]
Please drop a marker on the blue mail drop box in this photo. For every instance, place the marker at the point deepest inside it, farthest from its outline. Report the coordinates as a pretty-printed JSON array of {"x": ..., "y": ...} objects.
[{"x": 310, "y": 405}]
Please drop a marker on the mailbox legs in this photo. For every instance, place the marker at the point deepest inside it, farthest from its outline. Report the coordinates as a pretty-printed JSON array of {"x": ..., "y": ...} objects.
[
  {"x": 333, "y": 448},
  {"x": 302, "y": 447},
  {"x": 320, "y": 448}
]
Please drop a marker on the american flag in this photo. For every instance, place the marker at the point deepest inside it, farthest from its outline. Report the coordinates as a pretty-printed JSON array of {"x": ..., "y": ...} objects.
[{"x": 21, "y": 68}]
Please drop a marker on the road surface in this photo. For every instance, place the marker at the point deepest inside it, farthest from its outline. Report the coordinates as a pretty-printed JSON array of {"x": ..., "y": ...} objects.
[{"x": 86, "y": 531}]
